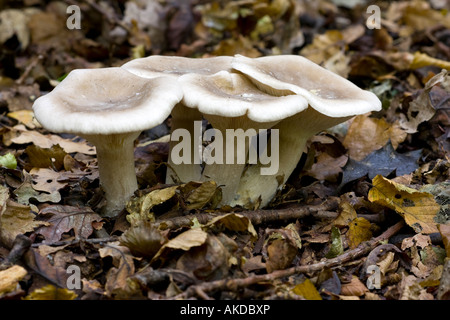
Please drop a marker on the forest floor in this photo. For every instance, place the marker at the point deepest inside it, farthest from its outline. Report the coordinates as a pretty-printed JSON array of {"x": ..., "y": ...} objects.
[{"x": 364, "y": 216}]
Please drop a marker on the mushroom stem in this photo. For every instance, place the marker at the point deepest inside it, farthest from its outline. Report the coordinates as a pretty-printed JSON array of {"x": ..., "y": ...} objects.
[
  {"x": 184, "y": 118},
  {"x": 115, "y": 156},
  {"x": 228, "y": 174},
  {"x": 294, "y": 132}
]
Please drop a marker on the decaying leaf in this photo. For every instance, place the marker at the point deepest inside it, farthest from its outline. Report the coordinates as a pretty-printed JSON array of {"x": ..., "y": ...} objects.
[
  {"x": 123, "y": 268},
  {"x": 143, "y": 239},
  {"x": 354, "y": 288},
  {"x": 281, "y": 253},
  {"x": 366, "y": 135},
  {"x": 234, "y": 222},
  {"x": 46, "y": 157},
  {"x": 383, "y": 161},
  {"x": 417, "y": 208},
  {"x": 184, "y": 241},
  {"x": 61, "y": 219},
  {"x": 359, "y": 231},
  {"x": 17, "y": 219},
  {"x": 46, "y": 180}
]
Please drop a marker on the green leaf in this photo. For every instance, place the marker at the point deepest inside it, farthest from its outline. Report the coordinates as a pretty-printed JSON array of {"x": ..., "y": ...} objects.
[
  {"x": 8, "y": 161},
  {"x": 336, "y": 247}
]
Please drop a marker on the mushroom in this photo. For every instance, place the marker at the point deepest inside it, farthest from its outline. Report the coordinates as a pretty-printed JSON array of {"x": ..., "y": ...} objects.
[
  {"x": 109, "y": 107},
  {"x": 182, "y": 117},
  {"x": 331, "y": 98},
  {"x": 229, "y": 101}
]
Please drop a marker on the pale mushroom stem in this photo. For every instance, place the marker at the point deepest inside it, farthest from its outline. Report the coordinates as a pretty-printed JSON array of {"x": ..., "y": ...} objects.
[
  {"x": 226, "y": 175},
  {"x": 115, "y": 156},
  {"x": 256, "y": 190},
  {"x": 185, "y": 118}
]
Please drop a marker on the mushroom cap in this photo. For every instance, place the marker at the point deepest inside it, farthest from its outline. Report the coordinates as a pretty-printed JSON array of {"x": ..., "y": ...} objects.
[
  {"x": 233, "y": 95},
  {"x": 325, "y": 91},
  {"x": 173, "y": 66},
  {"x": 106, "y": 101}
]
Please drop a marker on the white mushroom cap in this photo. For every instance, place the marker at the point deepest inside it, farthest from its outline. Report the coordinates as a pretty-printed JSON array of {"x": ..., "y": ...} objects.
[
  {"x": 106, "y": 101},
  {"x": 182, "y": 117},
  {"x": 174, "y": 66},
  {"x": 325, "y": 91},
  {"x": 231, "y": 95},
  {"x": 230, "y": 101},
  {"x": 109, "y": 107}
]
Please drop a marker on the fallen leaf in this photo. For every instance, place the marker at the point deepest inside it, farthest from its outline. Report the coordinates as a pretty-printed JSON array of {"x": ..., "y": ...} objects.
[
  {"x": 61, "y": 219},
  {"x": 358, "y": 232},
  {"x": 184, "y": 241},
  {"x": 336, "y": 246},
  {"x": 20, "y": 135},
  {"x": 383, "y": 161},
  {"x": 46, "y": 180},
  {"x": 417, "y": 208},
  {"x": 202, "y": 195},
  {"x": 140, "y": 208},
  {"x": 421, "y": 109},
  {"x": 50, "y": 292},
  {"x": 46, "y": 157},
  {"x": 24, "y": 116},
  {"x": 354, "y": 288},
  {"x": 234, "y": 222},
  {"x": 9, "y": 278},
  {"x": 366, "y": 135},
  {"x": 445, "y": 233},
  {"x": 123, "y": 268},
  {"x": 307, "y": 290},
  {"x": 8, "y": 161},
  {"x": 280, "y": 253},
  {"x": 17, "y": 219},
  {"x": 327, "y": 167}
]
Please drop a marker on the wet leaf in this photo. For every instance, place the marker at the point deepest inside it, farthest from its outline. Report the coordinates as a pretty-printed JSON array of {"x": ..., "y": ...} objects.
[{"x": 417, "y": 208}]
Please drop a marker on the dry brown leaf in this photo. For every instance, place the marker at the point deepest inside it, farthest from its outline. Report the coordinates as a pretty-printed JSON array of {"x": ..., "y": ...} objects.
[
  {"x": 366, "y": 135},
  {"x": 354, "y": 288},
  {"x": 20, "y": 135},
  {"x": 9, "y": 278},
  {"x": 445, "y": 233},
  {"x": 46, "y": 180}
]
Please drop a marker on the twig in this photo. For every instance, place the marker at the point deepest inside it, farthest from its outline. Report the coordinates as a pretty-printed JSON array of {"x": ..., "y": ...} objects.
[
  {"x": 234, "y": 284},
  {"x": 28, "y": 69},
  {"x": 257, "y": 216},
  {"x": 76, "y": 241}
]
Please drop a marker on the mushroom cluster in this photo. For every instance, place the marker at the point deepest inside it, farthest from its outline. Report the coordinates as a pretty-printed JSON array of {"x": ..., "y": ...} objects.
[{"x": 286, "y": 97}]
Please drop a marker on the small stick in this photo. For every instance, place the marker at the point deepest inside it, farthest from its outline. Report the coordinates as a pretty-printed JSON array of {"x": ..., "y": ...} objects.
[{"x": 234, "y": 284}]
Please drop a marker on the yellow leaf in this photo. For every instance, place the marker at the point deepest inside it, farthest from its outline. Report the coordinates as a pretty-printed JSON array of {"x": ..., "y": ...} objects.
[
  {"x": 50, "y": 292},
  {"x": 420, "y": 60},
  {"x": 417, "y": 208},
  {"x": 359, "y": 231},
  {"x": 307, "y": 290}
]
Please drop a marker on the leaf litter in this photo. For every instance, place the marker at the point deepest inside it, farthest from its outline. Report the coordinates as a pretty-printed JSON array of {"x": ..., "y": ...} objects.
[{"x": 371, "y": 192}]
